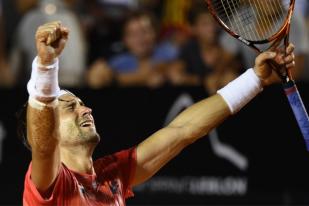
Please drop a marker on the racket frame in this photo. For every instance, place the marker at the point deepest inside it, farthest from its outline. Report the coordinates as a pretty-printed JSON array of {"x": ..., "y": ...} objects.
[{"x": 275, "y": 38}]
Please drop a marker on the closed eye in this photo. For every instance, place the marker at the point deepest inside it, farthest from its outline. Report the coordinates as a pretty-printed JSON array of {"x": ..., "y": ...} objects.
[
  {"x": 71, "y": 106},
  {"x": 81, "y": 103}
]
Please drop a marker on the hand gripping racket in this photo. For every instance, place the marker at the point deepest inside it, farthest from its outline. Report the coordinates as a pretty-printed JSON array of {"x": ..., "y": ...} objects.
[{"x": 261, "y": 25}]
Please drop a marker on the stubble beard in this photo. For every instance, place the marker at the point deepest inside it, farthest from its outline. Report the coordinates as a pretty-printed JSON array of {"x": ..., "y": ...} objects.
[{"x": 91, "y": 137}]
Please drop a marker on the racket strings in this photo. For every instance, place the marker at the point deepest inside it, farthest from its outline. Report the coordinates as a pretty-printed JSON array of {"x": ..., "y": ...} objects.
[{"x": 254, "y": 20}]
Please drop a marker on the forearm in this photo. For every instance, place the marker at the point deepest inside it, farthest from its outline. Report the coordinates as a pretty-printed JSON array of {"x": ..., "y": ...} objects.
[
  {"x": 41, "y": 129},
  {"x": 200, "y": 118},
  {"x": 42, "y": 137}
]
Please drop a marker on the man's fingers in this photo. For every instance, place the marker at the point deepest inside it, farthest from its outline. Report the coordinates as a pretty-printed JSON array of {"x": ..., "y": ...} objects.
[
  {"x": 280, "y": 59},
  {"x": 288, "y": 59},
  {"x": 290, "y": 65},
  {"x": 264, "y": 57},
  {"x": 55, "y": 24},
  {"x": 53, "y": 36},
  {"x": 290, "y": 48},
  {"x": 48, "y": 26},
  {"x": 49, "y": 32},
  {"x": 64, "y": 32}
]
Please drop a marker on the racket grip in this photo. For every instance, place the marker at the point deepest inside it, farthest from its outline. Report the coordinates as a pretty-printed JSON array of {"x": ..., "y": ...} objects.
[{"x": 298, "y": 108}]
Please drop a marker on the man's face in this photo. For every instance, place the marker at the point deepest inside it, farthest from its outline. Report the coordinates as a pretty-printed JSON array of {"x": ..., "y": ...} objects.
[
  {"x": 140, "y": 36},
  {"x": 76, "y": 124},
  {"x": 205, "y": 28}
]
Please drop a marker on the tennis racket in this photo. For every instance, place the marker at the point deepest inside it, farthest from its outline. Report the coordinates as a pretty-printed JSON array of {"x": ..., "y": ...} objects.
[{"x": 263, "y": 25}]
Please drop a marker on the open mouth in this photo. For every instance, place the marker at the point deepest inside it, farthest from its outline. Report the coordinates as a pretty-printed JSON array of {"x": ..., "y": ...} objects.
[{"x": 86, "y": 123}]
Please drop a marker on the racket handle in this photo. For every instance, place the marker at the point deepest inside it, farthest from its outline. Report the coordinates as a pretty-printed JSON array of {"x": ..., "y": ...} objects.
[{"x": 298, "y": 108}]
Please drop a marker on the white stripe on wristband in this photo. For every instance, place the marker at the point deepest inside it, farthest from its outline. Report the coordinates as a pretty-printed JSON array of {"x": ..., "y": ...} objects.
[
  {"x": 241, "y": 91},
  {"x": 36, "y": 104}
]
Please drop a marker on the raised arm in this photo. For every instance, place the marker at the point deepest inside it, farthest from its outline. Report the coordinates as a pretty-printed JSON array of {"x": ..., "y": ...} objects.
[
  {"x": 41, "y": 112},
  {"x": 196, "y": 121}
]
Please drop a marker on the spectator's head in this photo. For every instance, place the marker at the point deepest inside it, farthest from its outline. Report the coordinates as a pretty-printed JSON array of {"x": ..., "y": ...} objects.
[
  {"x": 204, "y": 27},
  {"x": 139, "y": 33}
]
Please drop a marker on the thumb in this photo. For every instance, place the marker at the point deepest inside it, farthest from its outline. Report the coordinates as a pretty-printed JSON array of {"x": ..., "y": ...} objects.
[{"x": 263, "y": 57}]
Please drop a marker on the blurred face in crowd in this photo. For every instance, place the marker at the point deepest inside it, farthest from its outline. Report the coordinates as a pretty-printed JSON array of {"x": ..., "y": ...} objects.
[
  {"x": 205, "y": 28},
  {"x": 140, "y": 36},
  {"x": 76, "y": 124}
]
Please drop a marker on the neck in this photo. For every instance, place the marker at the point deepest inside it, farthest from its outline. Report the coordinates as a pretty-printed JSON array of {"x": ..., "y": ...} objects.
[{"x": 78, "y": 158}]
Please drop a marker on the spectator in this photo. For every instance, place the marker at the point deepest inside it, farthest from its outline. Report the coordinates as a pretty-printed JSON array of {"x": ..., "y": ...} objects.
[
  {"x": 145, "y": 62},
  {"x": 100, "y": 18},
  {"x": 73, "y": 60},
  {"x": 298, "y": 34},
  {"x": 202, "y": 60}
]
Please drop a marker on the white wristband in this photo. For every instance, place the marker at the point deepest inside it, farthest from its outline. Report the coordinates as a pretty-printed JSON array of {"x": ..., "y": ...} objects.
[
  {"x": 44, "y": 80},
  {"x": 241, "y": 91}
]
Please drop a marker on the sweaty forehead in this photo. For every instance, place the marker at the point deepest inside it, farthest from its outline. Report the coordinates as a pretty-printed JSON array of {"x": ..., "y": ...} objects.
[{"x": 68, "y": 97}]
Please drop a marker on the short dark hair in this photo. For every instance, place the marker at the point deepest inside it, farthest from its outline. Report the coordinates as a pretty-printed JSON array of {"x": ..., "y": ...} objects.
[
  {"x": 136, "y": 15},
  {"x": 21, "y": 117}
]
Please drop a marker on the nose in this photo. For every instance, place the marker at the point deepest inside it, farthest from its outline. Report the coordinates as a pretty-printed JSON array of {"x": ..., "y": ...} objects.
[{"x": 86, "y": 110}]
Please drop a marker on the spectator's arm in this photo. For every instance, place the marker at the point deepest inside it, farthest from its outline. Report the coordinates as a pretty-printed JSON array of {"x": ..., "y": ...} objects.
[
  {"x": 99, "y": 75},
  {"x": 179, "y": 77},
  {"x": 144, "y": 75}
]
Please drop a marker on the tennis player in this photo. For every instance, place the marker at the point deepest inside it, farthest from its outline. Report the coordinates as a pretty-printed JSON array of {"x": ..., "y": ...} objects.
[{"x": 62, "y": 136}]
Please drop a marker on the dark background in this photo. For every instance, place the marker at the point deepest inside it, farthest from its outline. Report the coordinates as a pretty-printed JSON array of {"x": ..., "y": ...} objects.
[{"x": 265, "y": 132}]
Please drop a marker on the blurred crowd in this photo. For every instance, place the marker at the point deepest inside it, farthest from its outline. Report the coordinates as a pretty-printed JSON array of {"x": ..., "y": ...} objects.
[{"x": 124, "y": 43}]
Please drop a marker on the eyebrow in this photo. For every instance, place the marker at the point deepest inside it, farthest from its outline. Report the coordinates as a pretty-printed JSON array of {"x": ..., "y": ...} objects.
[
  {"x": 71, "y": 101},
  {"x": 81, "y": 102},
  {"x": 63, "y": 100}
]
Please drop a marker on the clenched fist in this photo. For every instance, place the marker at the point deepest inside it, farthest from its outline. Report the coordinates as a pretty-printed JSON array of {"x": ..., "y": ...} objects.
[{"x": 50, "y": 41}]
